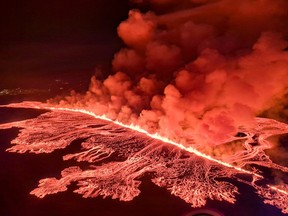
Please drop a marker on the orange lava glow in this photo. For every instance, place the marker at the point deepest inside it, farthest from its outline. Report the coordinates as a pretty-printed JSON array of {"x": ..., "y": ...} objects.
[
  {"x": 155, "y": 136},
  {"x": 122, "y": 177},
  {"x": 166, "y": 140}
]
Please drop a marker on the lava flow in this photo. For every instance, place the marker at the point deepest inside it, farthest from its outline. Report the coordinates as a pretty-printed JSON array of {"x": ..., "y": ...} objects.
[{"x": 122, "y": 154}]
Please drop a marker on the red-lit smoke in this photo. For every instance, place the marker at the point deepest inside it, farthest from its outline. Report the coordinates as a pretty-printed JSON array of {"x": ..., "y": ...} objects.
[{"x": 196, "y": 71}]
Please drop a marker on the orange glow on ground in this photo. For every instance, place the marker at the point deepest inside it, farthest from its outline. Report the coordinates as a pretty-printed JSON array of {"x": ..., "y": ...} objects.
[{"x": 36, "y": 140}]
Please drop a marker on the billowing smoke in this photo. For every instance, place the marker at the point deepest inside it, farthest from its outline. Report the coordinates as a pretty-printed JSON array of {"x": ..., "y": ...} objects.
[{"x": 197, "y": 70}]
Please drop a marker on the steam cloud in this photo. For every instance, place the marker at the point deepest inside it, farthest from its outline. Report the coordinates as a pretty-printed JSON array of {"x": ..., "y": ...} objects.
[{"x": 197, "y": 70}]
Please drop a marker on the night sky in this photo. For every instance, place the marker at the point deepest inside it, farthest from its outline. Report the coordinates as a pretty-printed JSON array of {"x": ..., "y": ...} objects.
[{"x": 57, "y": 39}]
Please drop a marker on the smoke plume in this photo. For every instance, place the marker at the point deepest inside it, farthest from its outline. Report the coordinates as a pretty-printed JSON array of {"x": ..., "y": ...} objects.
[{"x": 195, "y": 71}]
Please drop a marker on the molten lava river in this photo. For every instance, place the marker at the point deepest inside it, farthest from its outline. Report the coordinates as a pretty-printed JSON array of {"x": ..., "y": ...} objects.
[{"x": 116, "y": 156}]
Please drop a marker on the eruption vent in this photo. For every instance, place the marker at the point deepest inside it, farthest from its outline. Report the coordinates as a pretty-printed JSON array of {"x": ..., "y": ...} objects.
[{"x": 197, "y": 71}]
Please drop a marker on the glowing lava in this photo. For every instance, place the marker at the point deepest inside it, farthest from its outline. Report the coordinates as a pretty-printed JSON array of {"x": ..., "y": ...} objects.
[{"x": 121, "y": 154}]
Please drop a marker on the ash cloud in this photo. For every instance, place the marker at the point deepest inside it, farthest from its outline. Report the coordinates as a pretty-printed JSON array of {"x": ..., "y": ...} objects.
[{"x": 199, "y": 71}]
